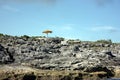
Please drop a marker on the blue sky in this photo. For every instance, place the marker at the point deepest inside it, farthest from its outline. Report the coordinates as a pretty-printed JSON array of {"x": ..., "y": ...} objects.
[{"x": 72, "y": 19}]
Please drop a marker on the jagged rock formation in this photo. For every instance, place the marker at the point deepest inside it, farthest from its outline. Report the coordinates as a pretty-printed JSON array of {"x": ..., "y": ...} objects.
[
  {"x": 49, "y": 53},
  {"x": 58, "y": 54},
  {"x": 6, "y": 55}
]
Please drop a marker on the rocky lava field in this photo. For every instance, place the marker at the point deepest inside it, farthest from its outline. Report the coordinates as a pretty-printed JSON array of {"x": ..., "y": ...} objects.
[{"x": 35, "y": 58}]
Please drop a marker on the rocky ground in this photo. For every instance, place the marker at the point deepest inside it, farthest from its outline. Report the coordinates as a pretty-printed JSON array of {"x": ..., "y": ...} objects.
[{"x": 58, "y": 54}]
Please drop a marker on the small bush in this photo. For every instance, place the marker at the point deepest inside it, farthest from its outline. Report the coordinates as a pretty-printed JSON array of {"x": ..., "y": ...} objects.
[
  {"x": 25, "y": 37},
  {"x": 1, "y": 34},
  {"x": 104, "y": 41}
]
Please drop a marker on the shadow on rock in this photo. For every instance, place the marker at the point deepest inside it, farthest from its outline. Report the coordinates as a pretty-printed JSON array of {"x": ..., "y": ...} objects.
[
  {"x": 67, "y": 78},
  {"x": 29, "y": 77},
  {"x": 110, "y": 73}
]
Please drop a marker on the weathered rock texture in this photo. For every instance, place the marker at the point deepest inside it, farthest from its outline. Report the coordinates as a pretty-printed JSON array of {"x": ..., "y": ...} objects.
[{"x": 59, "y": 54}]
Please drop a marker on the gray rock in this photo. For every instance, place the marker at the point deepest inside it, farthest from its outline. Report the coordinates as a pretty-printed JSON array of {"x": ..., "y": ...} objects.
[
  {"x": 21, "y": 41},
  {"x": 51, "y": 53},
  {"x": 1, "y": 48},
  {"x": 6, "y": 56},
  {"x": 11, "y": 50},
  {"x": 54, "y": 40},
  {"x": 76, "y": 48}
]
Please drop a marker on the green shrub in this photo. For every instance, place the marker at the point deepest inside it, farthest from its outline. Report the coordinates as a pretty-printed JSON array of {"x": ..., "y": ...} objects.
[
  {"x": 104, "y": 41},
  {"x": 25, "y": 37},
  {"x": 1, "y": 34}
]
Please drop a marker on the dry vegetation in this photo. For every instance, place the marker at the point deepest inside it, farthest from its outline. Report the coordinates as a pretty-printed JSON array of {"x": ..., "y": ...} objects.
[{"x": 27, "y": 73}]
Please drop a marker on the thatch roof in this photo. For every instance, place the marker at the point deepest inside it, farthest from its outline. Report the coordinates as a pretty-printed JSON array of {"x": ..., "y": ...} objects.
[{"x": 47, "y": 31}]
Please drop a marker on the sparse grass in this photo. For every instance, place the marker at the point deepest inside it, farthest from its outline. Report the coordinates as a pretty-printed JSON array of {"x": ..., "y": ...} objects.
[
  {"x": 104, "y": 41},
  {"x": 101, "y": 72}
]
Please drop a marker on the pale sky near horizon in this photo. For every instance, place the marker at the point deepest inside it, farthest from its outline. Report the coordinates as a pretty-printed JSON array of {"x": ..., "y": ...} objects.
[{"x": 72, "y": 19}]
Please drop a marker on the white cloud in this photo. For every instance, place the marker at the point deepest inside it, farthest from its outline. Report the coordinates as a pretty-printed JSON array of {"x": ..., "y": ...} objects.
[
  {"x": 103, "y": 2},
  {"x": 104, "y": 28},
  {"x": 10, "y": 8}
]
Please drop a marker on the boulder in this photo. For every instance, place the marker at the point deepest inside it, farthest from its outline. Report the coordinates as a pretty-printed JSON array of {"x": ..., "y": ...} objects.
[
  {"x": 6, "y": 55},
  {"x": 54, "y": 40},
  {"x": 20, "y": 41}
]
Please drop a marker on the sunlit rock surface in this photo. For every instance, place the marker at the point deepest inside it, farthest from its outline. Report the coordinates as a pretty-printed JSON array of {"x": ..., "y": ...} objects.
[{"x": 60, "y": 54}]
